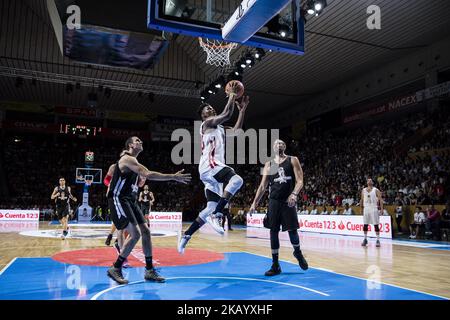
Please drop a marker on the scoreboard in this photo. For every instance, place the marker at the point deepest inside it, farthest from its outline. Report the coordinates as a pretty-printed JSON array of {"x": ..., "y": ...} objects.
[{"x": 80, "y": 130}]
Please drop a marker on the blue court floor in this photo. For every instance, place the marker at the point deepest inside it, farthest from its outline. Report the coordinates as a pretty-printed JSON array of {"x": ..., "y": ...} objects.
[{"x": 238, "y": 276}]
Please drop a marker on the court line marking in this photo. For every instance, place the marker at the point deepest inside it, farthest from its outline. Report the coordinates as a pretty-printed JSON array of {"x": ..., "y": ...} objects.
[
  {"x": 112, "y": 288},
  {"x": 323, "y": 269},
  {"x": 347, "y": 275},
  {"x": 49, "y": 234},
  {"x": 8, "y": 265},
  {"x": 97, "y": 295}
]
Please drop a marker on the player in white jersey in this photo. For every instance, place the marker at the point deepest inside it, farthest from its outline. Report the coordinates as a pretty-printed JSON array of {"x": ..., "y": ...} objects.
[
  {"x": 221, "y": 182},
  {"x": 370, "y": 199}
]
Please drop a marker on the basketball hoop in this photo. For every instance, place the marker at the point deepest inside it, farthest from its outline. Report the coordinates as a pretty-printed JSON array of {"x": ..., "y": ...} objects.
[
  {"x": 218, "y": 52},
  {"x": 88, "y": 182}
]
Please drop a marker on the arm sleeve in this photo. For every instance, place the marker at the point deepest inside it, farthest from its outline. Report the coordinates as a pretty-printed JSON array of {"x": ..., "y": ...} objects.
[{"x": 107, "y": 180}]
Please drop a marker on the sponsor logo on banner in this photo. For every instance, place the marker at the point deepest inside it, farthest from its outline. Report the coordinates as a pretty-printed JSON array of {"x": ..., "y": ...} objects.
[
  {"x": 255, "y": 219},
  {"x": 345, "y": 225},
  {"x": 22, "y": 215},
  {"x": 166, "y": 216},
  {"x": 433, "y": 92},
  {"x": 380, "y": 108}
]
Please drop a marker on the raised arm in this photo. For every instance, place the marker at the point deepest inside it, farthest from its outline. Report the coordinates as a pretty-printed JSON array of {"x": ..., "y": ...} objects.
[
  {"x": 226, "y": 113},
  {"x": 262, "y": 188},
  {"x": 132, "y": 164},
  {"x": 111, "y": 170},
  {"x": 292, "y": 200},
  {"x": 141, "y": 182},
  {"x": 242, "y": 107},
  {"x": 109, "y": 176}
]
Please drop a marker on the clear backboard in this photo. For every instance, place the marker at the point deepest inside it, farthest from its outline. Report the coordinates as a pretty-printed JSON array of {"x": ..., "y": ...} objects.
[
  {"x": 92, "y": 175},
  {"x": 270, "y": 24}
]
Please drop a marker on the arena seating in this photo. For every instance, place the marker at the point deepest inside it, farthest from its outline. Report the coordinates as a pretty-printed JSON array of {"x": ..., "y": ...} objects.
[{"x": 335, "y": 166}]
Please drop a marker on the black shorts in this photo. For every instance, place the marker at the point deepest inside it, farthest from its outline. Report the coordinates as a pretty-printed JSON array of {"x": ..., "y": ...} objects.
[
  {"x": 211, "y": 196},
  {"x": 62, "y": 212},
  {"x": 124, "y": 211},
  {"x": 145, "y": 209},
  {"x": 280, "y": 214}
]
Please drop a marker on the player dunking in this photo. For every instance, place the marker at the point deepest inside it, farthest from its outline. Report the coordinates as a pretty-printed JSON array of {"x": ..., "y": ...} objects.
[
  {"x": 146, "y": 200},
  {"x": 125, "y": 212},
  {"x": 62, "y": 195},
  {"x": 214, "y": 173},
  {"x": 284, "y": 187},
  {"x": 370, "y": 199}
]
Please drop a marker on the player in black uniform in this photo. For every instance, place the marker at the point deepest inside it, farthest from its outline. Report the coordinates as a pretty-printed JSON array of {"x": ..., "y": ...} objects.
[
  {"x": 146, "y": 200},
  {"x": 227, "y": 216},
  {"x": 284, "y": 176},
  {"x": 125, "y": 212},
  {"x": 62, "y": 195}
]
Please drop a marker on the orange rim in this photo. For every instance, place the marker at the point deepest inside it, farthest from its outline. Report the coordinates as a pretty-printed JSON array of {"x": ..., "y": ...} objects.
[{"x": 203, "y": 43}]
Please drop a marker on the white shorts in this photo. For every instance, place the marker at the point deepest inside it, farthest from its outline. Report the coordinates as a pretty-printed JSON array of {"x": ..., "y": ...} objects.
[
  {"x": 210, "y": 182},
  {"x": 371, "y": 216}
]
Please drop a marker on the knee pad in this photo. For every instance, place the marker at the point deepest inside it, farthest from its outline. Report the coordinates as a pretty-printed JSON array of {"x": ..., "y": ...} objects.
[
  {"x": 293, "y": 236},
  {"x": 234, "y": 184},
  {"x": 145, "y": 231},
  {"x": 274, "y": 240},
  {"x": 137, "y": 236},
  {"x": 377, "y": 228},
  {"x": 366, "y": 227},
  {"x": 210, "y": 207},
  {"x": 134, "y": 238}
]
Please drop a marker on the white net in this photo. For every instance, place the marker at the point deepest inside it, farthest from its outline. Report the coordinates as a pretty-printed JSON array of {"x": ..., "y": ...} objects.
[{"x": 218, "y": 52}]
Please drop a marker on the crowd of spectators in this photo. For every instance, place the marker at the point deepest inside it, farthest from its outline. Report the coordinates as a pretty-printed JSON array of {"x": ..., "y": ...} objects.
[
  {"x": 33, "y": 165},
  {"x": 335, "y": 164}
]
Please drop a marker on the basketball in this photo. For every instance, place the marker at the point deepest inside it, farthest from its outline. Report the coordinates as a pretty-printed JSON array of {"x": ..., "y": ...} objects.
[{"x": 240, "y": 87}]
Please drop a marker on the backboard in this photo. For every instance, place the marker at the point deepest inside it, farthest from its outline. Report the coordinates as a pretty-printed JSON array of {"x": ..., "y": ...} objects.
[
  {"x": 205, "y": 18},
  {"x": 91, "y": 174}
]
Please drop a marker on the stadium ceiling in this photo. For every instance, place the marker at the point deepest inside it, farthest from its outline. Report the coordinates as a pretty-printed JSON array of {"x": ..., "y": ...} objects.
[{"x": 339, "y": 46}]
